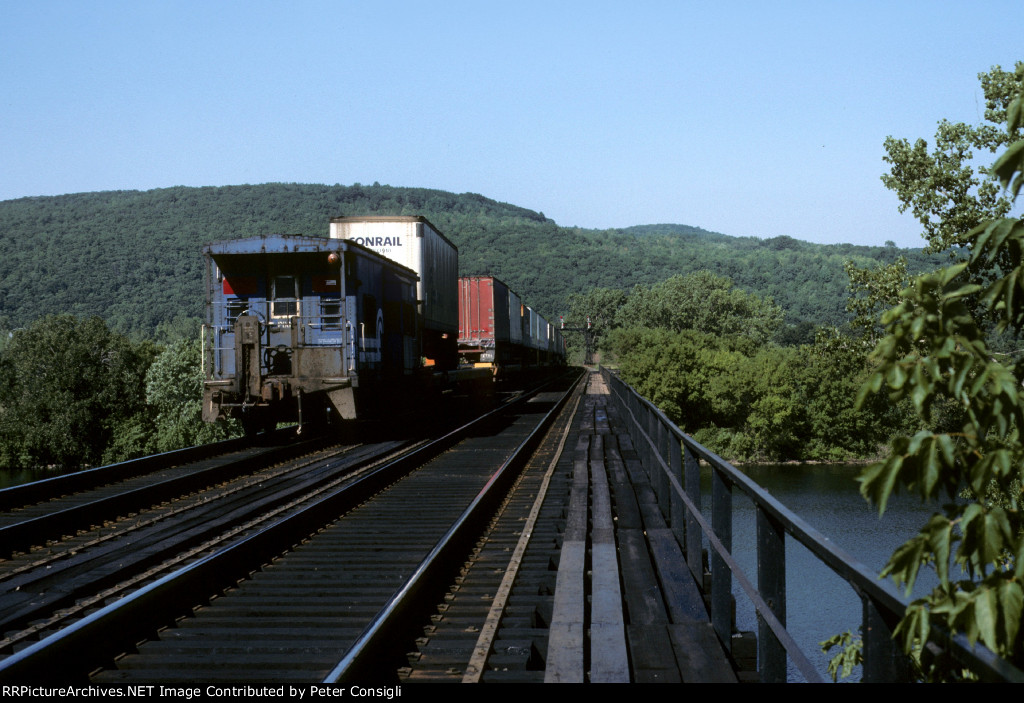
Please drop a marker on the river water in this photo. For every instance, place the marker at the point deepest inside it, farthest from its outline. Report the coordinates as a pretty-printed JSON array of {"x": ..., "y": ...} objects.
[{"x": 820, "y": 604}]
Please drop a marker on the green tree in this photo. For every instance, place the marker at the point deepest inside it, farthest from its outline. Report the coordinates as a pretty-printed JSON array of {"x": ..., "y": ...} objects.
[
  {"x": 701, "y": 301},
  {"x": 599, "y": 306},
  {"x": 65, "y": 384},
  {"x": 872, "y": 292},
  {"x": 747, "y": 401},
  {"x": 174, "y": 392},
  {"x": 945, "y": 189},
  {"x": 178, "y": 328},
  {"x": 937, "y": 350}
]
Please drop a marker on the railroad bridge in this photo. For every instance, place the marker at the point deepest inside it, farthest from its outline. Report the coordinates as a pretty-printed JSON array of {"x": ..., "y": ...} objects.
[{"x": 561, "y": 537}]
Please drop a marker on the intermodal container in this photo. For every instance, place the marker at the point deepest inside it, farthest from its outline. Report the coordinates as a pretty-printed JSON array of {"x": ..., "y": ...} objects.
[
  {"x": 515, "y": 318},
  {"x": 483, "y": 312},
  {"x": 413, "y": 242}
]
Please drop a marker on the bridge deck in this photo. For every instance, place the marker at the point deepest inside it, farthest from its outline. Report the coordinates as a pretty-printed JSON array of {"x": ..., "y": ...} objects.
[{"x": 647, "y": 621}]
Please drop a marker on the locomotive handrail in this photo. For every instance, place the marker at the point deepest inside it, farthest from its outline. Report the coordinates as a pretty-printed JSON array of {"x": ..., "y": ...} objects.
[{"x": 672, "y": 460}]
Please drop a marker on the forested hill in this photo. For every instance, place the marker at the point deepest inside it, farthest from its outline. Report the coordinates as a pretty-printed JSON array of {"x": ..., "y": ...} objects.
[{"x": 133, "y": 257}]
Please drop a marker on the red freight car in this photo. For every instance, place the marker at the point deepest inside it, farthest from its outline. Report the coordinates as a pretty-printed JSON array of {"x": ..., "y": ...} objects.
[
  {"x": 483, "y": 321},
  {"x": 497, "y": 330}
]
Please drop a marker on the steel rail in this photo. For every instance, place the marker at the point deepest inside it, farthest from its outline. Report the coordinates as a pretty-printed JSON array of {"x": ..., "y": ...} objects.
[
  {"x": 45, "y": 489},
  {"x": 362, "y": 661},
  {"x": 489, "y": 630},
  {"x": 22, "y": 535},
  {"x": 195, "y": 529},
  {"x": 91, "y": 643}
]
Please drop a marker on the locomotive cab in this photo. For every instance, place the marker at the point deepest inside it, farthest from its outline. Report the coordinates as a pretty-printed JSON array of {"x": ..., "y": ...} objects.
[{"x": 298, "y": 328}]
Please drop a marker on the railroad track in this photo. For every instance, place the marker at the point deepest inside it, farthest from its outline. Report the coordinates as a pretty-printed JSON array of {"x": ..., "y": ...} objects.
[
  {"x": 45, "y": 512},
  {"x": 300, "y": 589},
  {"x": 46, "y": 589},
  {"x": 492, "y": 626},
  {"x": 119, "y": 527}
]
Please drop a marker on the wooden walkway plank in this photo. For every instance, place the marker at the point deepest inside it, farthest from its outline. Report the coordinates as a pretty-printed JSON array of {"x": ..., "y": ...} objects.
[
  {"x": 699, "y": 654},
  {"x": 682, "y": 596},
  {"x": 609, "y": 661},
  {"x": 642, "y": 594},
  {"x": 654, "y": 659},
  {"x": 645, "y": 618},
  {"x": 565, "y": 660},
  {"x": 643, "y": 598}
]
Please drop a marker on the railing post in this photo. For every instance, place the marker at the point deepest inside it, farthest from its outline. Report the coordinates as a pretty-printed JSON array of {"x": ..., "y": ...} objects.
[
  {"x": 663, "y": 489},
  {"x": 721, "y": 576},
  {"x": 694, "y": 537},
  {"x": 884, "y": 660},
  {"x": 645, "y": 426},
  {"x": 654, "y": 470},
  {"x": 771, "y": 583},
  {"x": 677, "y": 517},
  {"x": 634, "y": 423}
]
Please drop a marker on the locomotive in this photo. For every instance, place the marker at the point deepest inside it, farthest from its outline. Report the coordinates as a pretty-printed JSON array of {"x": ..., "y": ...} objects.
[{"x": 301, "y": 328}]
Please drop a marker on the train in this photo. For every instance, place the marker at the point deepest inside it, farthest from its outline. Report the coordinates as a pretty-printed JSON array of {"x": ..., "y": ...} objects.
[
  {"x": 497, "y": 331},
  {"x": 310, "y": 329}
]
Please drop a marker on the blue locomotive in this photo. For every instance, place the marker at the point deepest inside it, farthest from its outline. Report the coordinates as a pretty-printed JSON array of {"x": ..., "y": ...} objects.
[{"x": 298, "y": 326}]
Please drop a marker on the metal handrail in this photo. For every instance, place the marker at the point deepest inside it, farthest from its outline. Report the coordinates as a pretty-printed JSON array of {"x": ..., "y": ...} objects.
[{"x": 672, "y": 458}]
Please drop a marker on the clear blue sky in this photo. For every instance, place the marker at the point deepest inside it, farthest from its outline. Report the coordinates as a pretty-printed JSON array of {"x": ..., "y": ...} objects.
[{"x": 748, "y": 118}]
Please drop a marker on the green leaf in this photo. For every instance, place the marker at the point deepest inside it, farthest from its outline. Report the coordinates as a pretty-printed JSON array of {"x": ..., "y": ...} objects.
[
  {"x": 1015, "y": 114},
  {"x": 950, "y": 272},
  {"x": 1012, "y": 161},
  {"x": 881, "y": 483},
  {"x": 1018, "y": 560},
  {"x": 1000, "y": 230},
  {"x": 931, "y": 469},
  {"x": 986, "y": 617},
  {"x": 948, "y": 448},
  {"x": 906, "y": 562},
  {"x": 920, "y": 396},
  {"x": 940, "y": 533},
  {"x": 914, "y": 627},
  {"x": 897, "y": 377},
  {"x": 1011, "y": 605}
]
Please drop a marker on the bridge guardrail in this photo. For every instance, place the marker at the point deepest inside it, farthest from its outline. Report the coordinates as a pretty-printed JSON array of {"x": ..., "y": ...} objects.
[{"x": 672, "y": 461}]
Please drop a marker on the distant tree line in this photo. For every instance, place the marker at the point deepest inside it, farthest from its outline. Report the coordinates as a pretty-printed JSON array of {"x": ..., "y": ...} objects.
[
  {"x": 710, "y": 356},
  {"x": 134, "y": 258},
  {"x": 108, "y": 273}
]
